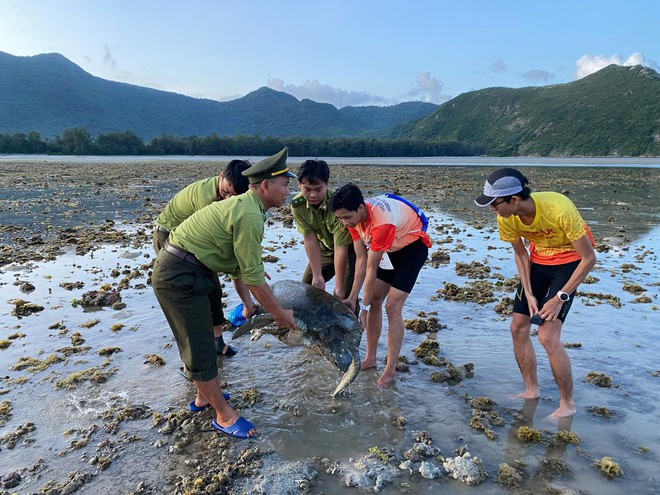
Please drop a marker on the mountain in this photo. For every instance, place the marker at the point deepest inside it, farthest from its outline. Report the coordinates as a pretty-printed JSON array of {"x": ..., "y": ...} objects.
[
  {"x": 49, "y": 93},
  {"x": 615, "y": 111}
]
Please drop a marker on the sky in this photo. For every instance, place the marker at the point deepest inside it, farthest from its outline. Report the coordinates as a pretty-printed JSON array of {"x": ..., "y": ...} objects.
[{"x": 343, "y": 52}]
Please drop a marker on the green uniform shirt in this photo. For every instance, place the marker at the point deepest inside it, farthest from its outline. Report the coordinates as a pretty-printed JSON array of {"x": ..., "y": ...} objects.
[
  {"x": 320, "y": 221},
  {"x": 190, "y": 199},
  {"x": 226, "y": 236}
]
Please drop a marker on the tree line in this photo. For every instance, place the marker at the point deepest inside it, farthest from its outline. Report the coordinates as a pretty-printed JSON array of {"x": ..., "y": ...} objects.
[{"x": 77, "y": 141}]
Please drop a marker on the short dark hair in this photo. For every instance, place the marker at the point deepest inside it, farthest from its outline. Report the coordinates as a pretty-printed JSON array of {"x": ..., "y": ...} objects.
[
  {"x": 348, "y": 197},
  {"x": 314, "y": 171},
  {"x": 233, "y": 174},
  {"x": 524, "y": 194}
]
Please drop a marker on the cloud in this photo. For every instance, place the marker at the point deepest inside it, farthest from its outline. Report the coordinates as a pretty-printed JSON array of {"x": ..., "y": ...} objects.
[
  {"x": 108, "y": 59},
  {"x": 428, "y": 89},
  {"x": 324, "y": 93},
  {"x": 588, "y": 64},
  {"x": 538, "y": 76},
  {"x": 499, "y": 66}
]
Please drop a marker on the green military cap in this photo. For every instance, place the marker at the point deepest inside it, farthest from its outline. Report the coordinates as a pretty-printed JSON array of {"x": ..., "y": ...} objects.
[{"x": 270, "y": 167}]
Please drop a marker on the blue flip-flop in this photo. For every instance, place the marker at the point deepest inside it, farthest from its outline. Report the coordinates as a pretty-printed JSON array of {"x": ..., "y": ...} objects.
[
  {"x": 195, "y": 408},
  {"x": 240, "y": 429}
]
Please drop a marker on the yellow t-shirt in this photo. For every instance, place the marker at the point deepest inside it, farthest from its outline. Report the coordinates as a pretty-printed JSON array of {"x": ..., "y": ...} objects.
[{"x": 556, "y": 225}]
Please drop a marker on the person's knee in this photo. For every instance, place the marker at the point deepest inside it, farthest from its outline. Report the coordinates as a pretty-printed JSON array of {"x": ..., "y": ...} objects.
[
  {"x": 519, "y": 329},
  {"x": 550, "y": 341}
]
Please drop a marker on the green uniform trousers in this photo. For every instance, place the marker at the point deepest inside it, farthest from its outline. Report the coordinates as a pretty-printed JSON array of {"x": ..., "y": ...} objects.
[
  {"x": 183, "y": 291},
  {"x": 215, "y": 298}
]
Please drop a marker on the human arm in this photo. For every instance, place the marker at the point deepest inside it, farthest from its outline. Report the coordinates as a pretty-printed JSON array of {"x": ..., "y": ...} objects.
[
  {"x": 521, "y": 258},
  {"x": 553, "y": 306},
  {"x": 313, "y": 251},
  {"x": 360, "y": 272},
  {"x": 340, "y": 263},
  {"x": 244, "y": 293},
  {"x": 283, "y": 317}
]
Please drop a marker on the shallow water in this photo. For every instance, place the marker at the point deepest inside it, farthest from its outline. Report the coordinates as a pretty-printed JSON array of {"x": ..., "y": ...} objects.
[{"x": 297, "y": 417}]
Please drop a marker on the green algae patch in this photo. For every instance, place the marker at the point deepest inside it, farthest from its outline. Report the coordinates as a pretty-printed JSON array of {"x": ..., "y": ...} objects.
[
  {"x": 420, "y": 325},
  {"x": 88, "y": 375},
  {"x": 24, "y": 308},
  {"x": 11, "y": 439},
  {"x": 32, "y": 365},
  {"x": 475, "y": 269},
  {"x": 479, "y": 291},
  {"x": 598, "y": 379},
  {"x": 609, "y": 467},
  {"x": 508, "y": 476},
  {"x": 117, "y": 327},
  {"x": 564, "y": 437},
  {"x": 90, "y": 323},
  {"x": 529, "y": 434},
  {"x": 154, "y": 359},
  {"x": 108, "y": 351},
  {"x": 5, "y": 412},
  {"x": 439, "y": 257},
  {"x": 428, "y": 351},
  {"x": 251, "y": 396},
  {"x": 5, "y": 343}
]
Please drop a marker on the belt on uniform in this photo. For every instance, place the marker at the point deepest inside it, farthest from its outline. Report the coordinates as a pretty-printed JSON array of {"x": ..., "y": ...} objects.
[
  {"x": 184, "y": 255},
  {"x": 162, "y": 229}
]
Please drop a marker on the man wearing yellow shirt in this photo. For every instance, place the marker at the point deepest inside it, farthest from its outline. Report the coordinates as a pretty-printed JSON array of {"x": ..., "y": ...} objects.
[
  {"x": 560, "y": 256},
  {"x": 225, "y": 237}
]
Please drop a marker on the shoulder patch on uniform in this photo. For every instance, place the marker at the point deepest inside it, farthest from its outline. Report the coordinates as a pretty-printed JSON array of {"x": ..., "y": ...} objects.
[{"x": 296, "y": 202}]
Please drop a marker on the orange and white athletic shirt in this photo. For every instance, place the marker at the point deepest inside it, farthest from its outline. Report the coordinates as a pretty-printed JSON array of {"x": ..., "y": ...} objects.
[
  {"x": 390, "y": 226},
  {"x": 557, "y": 224}
]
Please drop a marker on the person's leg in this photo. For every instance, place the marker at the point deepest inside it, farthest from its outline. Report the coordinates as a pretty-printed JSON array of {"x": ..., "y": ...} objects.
[
  {"x": 525, "y": 355},
  {"x": 208, "y": 392},
  {"x": 374, "y": 324},
  {"x": 394, "y": 308},
  {"x": 219, "y": 321},
  {"x": 550, "y": 339}
]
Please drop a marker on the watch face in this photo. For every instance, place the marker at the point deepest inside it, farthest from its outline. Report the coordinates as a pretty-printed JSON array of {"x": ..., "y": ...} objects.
[{"x": 563, "y": 296}]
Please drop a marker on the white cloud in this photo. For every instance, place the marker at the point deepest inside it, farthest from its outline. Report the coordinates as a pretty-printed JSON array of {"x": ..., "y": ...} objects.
[
  {"x": 324, "y": 93},
  {"x": 499, "y": 66},
  {"x": 428, "y": 89},
  {"x": 588, "y": 64},
  {"x": 108, "y": 58},
  {"x": 538, "y": 76}
]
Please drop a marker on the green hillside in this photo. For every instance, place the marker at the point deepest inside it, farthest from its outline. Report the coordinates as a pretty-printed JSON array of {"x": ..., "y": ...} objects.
[
  {"x": 48, "y": 93},
  {"x": 613, "y": 112}
]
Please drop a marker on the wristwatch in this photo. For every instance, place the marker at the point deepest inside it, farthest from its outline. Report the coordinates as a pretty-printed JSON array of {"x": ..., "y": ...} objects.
[{"x": 563, "y": 296}]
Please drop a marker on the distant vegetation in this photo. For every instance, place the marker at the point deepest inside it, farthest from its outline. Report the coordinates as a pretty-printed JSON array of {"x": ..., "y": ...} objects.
[
  {"x": 50, "y": 105},
  {"x": 77, "y": 141},
  {"x": 613, "y": 112}
]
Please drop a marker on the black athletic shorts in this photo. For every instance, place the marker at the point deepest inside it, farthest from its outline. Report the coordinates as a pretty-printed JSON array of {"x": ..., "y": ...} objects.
[
  {"x": 546, "y": 280},
  {"x": 407, "y": 263}
]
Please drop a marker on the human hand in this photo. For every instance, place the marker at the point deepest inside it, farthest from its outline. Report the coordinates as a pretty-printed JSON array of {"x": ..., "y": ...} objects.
[
  {"x": 350, "y": 303},
  {"x": 248, "y": 310},
  {"x": 318, "y": 282},
  {"x": 286, "y": 319},
  {"x": 266, "y": 275},
  {"x": 551, "y": 309}
]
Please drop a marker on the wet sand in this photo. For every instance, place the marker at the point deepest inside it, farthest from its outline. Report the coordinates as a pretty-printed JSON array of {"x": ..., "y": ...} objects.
[{"x": 95, "y": 402}]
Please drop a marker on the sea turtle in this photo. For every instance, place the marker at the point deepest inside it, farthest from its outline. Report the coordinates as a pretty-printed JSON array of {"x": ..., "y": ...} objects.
[{"x": 325, "y": 325}]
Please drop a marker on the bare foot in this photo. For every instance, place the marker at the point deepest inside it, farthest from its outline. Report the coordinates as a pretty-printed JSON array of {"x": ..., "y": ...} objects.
[
  {"x": 562, "y": 412},
  {"x": 386, "y": 380},
  {"x": 367, "y": 365},
  {"x": 529, "y": 394}
]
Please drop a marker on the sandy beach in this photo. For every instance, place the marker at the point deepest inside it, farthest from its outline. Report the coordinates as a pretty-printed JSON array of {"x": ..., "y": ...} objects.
[{"x": 91, "y": 401}]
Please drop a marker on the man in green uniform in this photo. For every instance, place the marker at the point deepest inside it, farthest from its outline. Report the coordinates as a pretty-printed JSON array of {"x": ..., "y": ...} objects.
[
  {"x": 223, "y": 237},
  {"x": 328, "y": 244},
  {"x": 190, "y": 199}
]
